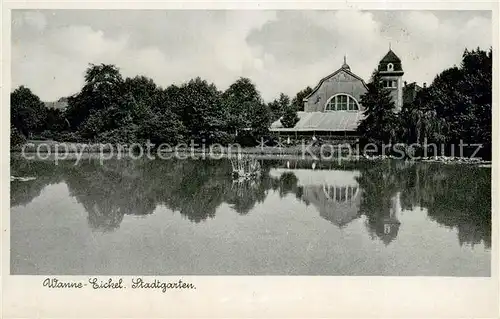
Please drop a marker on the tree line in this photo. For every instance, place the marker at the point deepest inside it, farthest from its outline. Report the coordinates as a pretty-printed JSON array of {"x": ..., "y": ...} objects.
[
  {"x": 111, "y": 109},
  {"x": 455, "y": 108}
]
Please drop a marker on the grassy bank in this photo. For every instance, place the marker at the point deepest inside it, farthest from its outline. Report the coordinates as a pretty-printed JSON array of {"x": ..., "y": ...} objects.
[
  {"x": 34, "y": 146},
  {"x": 48, "y": 146},
  {"x": 53, "y": 149}
]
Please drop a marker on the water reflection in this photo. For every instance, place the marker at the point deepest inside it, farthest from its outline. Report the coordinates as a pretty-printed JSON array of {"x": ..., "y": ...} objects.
[
  {"x": 454, "y": 196},
  {"x": 381, "y": 202},
  {"x": 334, "y": 193},
  {"x": 340, "y": 199}
]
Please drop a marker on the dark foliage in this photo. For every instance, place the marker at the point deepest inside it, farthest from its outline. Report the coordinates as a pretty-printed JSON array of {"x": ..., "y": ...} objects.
[
  {"x": 455, "y": 108},
  {"x": 290, "y": 118},
  {"x": 380, "y": 118}
]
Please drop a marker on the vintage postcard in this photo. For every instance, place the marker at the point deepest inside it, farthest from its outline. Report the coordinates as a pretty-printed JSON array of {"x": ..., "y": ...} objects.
[{"x": 226, "y": 159}]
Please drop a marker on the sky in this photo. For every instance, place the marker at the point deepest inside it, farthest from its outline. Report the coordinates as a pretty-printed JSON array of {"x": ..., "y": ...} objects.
[{"x": 280, "y": 51}]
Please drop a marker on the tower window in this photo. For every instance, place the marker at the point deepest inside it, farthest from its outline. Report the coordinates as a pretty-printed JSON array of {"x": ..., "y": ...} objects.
[
  {"x": 390, "y": 84},
  {"x": 341, "y": 102},
  {"x": 390, "y": 67}
]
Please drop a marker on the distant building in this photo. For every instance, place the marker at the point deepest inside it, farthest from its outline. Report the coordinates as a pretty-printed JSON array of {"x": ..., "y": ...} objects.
[
  {"x": 334, "y": 107},
  {"x": 410, "y": 92}
]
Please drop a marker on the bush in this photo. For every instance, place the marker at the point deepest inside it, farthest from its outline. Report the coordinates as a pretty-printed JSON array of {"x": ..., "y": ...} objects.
[
  {"x": 48, "y": 135},
  {"x": 122, "y": 135},
  {"x": 16, "y": 138},
  {"x": 246, "y": 138},
  {"x": 221, "y": 137},
  {"x": 37, "y": 137},
  {"x": 68, "y": 137}
]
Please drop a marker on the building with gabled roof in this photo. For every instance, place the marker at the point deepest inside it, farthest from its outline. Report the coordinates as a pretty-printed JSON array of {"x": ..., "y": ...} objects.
[{"x": 334, "y": 106}]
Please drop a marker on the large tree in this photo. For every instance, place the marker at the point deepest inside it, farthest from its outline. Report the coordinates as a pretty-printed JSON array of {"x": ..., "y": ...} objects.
[
  {"x": 55, "y": 120},
  {"x": 28, "y": 112},
  {"x": 378, "y": 124},
  {"x": 298, "y": 100},
  {"x": 278, "y": 106},
  {"x": 290, "y": 118},
  {"x": 240, "y": 100},
  {"x": 456, "y": 106},
  {"x": 200, "y": 109},
  {"x": 141, "y": 88},
  {"x": 102, "y": 88},
  {"x": 261, "y": 119}
]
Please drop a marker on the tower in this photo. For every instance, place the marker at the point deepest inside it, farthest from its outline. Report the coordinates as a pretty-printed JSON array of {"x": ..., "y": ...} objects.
[{"x": 391, "y": 74}]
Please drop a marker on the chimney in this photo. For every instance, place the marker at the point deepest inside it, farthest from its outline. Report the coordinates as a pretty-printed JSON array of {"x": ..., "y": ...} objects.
[
  {"x": 405, "y": 83},
  {"x": 425, "y": 85}
]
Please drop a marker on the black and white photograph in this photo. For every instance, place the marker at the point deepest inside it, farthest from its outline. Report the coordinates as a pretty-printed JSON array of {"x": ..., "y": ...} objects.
[{"x": 235, "y": 142}]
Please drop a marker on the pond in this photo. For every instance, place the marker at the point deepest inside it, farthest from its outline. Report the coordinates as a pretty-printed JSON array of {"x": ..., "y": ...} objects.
[{"x": 188, "y": 217}]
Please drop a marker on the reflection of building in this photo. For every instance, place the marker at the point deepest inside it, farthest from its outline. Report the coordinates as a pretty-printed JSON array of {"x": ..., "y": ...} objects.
[
  {"x": 387, "y": 227},
  {"x": 336, "y": 194}
]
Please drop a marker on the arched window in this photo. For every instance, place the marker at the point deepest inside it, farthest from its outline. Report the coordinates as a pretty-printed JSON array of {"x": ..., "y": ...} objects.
[
  {"x": 340, "y": 194},
  {"x": 390, "y": 67},
  {"x": 341, "y": 102}
]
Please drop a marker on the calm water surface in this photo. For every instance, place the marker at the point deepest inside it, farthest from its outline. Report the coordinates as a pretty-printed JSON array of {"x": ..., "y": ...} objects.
[{"x": 189, "y": 217}]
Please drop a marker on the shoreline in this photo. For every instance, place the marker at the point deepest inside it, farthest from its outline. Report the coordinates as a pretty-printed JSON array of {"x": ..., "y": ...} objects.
[
  {"x": 56, "y": 150},
  {"x": 257, "y": 155}
]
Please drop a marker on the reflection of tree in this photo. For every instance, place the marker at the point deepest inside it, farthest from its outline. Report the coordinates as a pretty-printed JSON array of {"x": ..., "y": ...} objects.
[
  {"x": 122, "y": 187},
  {"x": 379, "y": 185},
  {"x": 288, "y": 184},
  {"x": 46, "y": 173},
  {"x": 456, "y": 196},
  {"x": 102, "y": 215},
  {"x": 199, "y": 190},
  {"x": 109, "y": 191},
  {"x": 243, "y": 195}
]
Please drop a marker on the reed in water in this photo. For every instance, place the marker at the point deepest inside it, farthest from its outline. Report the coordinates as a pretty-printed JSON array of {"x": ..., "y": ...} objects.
[{"x": 245, "y": 167}]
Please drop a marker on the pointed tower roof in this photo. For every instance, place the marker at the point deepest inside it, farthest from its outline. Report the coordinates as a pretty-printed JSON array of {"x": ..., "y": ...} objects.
[
  {"x": 391, "y": 57},
  {"x": 390, "y": 64}
]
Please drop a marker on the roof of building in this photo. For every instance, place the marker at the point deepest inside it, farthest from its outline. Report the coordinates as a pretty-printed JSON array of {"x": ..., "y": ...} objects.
[
  {"x": 345, "y": 68},
  {"x": 413, "y": 86},
  {"x": 410, "y": 91},
  {"x": 322, "y": 121},
  {"x": 391, "y": 57}
]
